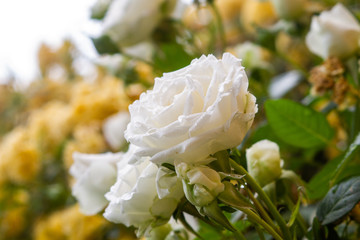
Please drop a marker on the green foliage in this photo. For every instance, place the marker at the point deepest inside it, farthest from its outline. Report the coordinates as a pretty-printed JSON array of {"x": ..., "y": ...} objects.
[
  {"x": 340, "y": 200},
  {"x": 334, "y": 171},
  {"x": 104, "y": 45},
  {"x": 171, "y": 56},
  {"x": 298, "y": 125}
]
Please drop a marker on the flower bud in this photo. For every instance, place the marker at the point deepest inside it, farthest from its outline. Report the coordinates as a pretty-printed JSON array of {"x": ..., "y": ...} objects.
[
  {"x": 263, "y": 161},
  {"x": 201, "y": 184}
]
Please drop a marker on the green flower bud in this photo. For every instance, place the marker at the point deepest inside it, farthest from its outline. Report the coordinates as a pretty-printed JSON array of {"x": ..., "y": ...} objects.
[{"x": 201, "y": 184}]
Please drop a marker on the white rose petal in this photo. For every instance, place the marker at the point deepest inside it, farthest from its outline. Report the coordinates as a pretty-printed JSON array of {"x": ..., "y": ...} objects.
[
  {"x": 114, "y": 128},
  {"x": 334, "y": 33},
  {"x": 263, "y": 161},
  {"x": 193, "y": 112},
  {"x": 94, "y": 174},
  {"x": 134, "y": 200}
]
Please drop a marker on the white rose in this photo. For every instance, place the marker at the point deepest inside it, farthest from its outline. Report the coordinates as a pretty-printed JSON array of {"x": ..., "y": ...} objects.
[
  {"x": 94, "y": 175},
  {"x": 263, "y": 162},
  {"x": 128, "y": 22},
  {"x": 193, "y": 112},
  {"x": 134, "y": 200},
  {"x": 201, "y": 184},
  {"x": 114, "y": 127},
  {"x": 334, "y": 33}
]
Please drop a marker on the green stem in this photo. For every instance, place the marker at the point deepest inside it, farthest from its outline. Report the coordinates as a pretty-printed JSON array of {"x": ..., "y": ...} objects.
[
  {"x": 300, "y": 220},
  {"x": 260, "y": 233},
  {"x": 239, "y": 236},
  {"x": 285, "y": 230},
  {"x": 255, "y": 218},
  {"x": 262, "y": 211},
  {"x": 220, "y": 26}
]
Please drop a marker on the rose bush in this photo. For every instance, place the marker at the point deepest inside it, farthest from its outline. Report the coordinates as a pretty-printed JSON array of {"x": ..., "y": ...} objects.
[
  {"x": 335, "y": 33},
  {"x": 94, "y": 175},
  {"x": 193, "y": 112}
]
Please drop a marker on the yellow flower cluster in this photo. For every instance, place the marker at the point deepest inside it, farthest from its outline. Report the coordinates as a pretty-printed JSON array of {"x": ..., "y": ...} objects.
[
  {"x": 51, "y": 125},
  {"x": 69, "y": 224},
  {"x": 58, "y": 118},
  {"x": 12, "y": 220},
  {"x": 19, "y": 157}
]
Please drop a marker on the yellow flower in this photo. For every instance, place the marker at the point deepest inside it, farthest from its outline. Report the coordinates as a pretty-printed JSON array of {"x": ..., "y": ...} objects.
[
  {"x": 98, "y": 100},
  {"x": 293, "y": 49},
  {"x": 12, "y": 216},
  {"x": 45, "y": 90},
  {"x": 12, "y": 222},
  {"x": 229, "y": 9},
  {"x": 69, "y": 224},
  {"x": 257, "y": 13},
  {"x": 19, "y": 157},
  {"x": 50, "y": 125},
  {"x": 87, "y": 139}
]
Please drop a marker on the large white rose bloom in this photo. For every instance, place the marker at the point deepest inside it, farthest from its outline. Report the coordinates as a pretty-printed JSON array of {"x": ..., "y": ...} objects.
[
  {"x": 129, "y": 22},
  {"x": 94, "y": 175},
  {"x": 193, "y": 112},
  {"x": 334, "y": 33}
]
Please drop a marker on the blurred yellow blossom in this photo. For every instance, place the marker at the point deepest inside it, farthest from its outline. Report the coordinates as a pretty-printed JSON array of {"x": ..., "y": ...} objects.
[
  {"x": 98, "y": 100},
  {"x": 19, "y": 157},
  {"x": 50, "y": 125},
  {"x": 45, "y": 90},
  {"x": 87, "y": 138},
  {"x": 12, "y": 222},
  {"x": 293, "y": 49},
  {"x": 69, "y": 224},
  {"x": 257, "y": 13},
  {"x": 13, "y": 218}
]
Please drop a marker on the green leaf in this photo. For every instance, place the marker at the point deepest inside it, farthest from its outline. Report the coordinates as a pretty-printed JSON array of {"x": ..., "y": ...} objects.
[
  {"x": 319, "y": 185},
  {"x": 104, "y": 45},
  {"x": 354, "y": 147},
  {"x": 340, "y": 200},
  {"x": 298, "y": 125},
  {"x": 171, "y": 56},
  {"x": 294, "y": 214}
]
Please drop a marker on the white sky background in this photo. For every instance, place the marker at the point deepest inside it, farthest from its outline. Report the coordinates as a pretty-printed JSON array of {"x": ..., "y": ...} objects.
[{"x": 25, "y": 24}]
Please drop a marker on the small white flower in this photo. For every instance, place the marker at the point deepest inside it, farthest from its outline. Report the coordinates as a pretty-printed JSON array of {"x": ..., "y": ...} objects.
[
  {"x": 334, "y": 33},
  {"x": 94, "y": 175},
  {"x": 114, "y": 127},
  {"x": 263, "y": 161},
  {"x": 193, "y": 112}
]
